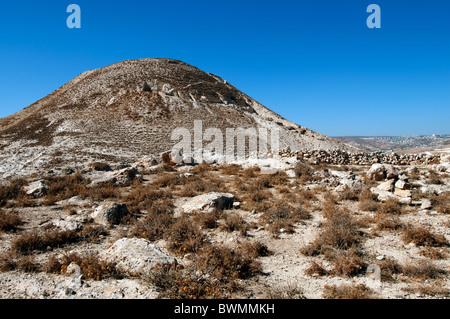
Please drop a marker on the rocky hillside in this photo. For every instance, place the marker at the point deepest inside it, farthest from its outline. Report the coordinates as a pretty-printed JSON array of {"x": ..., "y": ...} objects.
[{"x": 127, "y": 111}]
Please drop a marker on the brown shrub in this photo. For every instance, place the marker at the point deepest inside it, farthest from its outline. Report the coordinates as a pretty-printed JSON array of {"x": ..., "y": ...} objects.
[
  {"x": 339, "y": 232},
  {"x": 391, "y": 206},
  {"x": 91, "y": 266},
  {"x": 423, "y": 270},
  {"x": 389, "y": 267},
  {"x": 348, "y": 292},
  {"x": 432, "y": 253},
  {"x": 7, "y": 263},
  {"x": 207, "y": 220},
  {"x": 348, "y": 263},
  {"x": 423, "y": 237},
  {"x": 143, "y": 198},
  {"x": 185, "y": 237},
  {"x": 255, "y": 249},
  {"x": 37, "y": 241},
  {"x": 12, "y": 191},
  {"x": 231, "y": 169},
  {"x": 234, "y": 222},
  {"x": 316, "y": 269},
  {"x": 175, "y": 282},
  {"x": 303, "y": 172},
  {"x": 65, "y": 187},
  {"x": 283, "y": 216},
  {"x": 368, "y": 205},
  {"x": 10, "y": 221},
  {"x": 387, "y": 222},
  {"x": 27, "y": 264},
  {"x": 348, "y": 194},
  {"x": 225, "y": 263},
  {"x": 156, "y": 224}
]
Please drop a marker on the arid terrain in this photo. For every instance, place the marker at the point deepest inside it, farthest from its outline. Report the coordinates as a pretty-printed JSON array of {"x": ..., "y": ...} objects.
[
  {"x": 228, "y": 231},
  {"x": 93, "y": 204}
]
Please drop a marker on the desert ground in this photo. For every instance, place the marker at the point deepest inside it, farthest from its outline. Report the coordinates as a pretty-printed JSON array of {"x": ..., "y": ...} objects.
[{"x": 282, "y": 228}]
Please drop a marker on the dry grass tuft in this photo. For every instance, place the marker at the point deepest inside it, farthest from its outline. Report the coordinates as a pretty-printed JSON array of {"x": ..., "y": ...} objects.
[
  {"x": 91, "y": 266},
  {"x": 423, "y": 237},
  {"x": 10, "y": 221},
  {"x": 38, "y": 241},
  {"x": 348, "y": 292}
]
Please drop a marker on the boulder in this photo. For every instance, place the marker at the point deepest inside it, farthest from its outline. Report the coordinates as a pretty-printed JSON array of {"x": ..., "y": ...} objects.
[
  {"x": 36, "y": 189},
  {"x": 387, "y": 186},
  {"x": 215, "y": 200},
  {"x": 127, "y": 175},
  {"x": 67, "y": 225},
  {"x": 136, "y": 256},
  {"x": 402, "y": 193},
  {"x": 380, "y": 172},
  {"x": 426, "y": 204},
  {"x": 384, "y": 195},
  {"x": 402, "y": 184},
  {"x": 110, "y": 213}
]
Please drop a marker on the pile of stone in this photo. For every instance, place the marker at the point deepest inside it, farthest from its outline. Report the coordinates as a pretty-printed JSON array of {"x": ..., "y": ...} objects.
[
  {"x": 339, "y": 157},
  {"x": 393, "y": 185}
]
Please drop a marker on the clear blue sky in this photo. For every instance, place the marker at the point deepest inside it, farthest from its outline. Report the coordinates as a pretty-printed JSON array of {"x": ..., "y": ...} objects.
[{"x": 314, "y": 62}]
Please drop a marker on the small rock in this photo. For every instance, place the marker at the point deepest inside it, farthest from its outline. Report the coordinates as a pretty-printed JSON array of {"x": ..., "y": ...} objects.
[
  {"x": 387, "y": 186},
  {"x": 426, "y": 204},
  {"x": 110, "y": 213}
]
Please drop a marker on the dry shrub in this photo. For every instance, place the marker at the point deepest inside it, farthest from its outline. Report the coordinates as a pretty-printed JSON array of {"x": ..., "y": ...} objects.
[
  {"x": 175, "y": 282},
  {"x": 348, "y": 292},
  {"x": 224, "y": 263},
  {"x": 37, "y": 241},
  {"x": 234, "y": 222},
  {"x": 12, "y": 191},
  {"x": 92, "y": 233},
  {"x": 423, "y": 237},
  {"x": 143, "y": 198},
  {"x": 391, "y": 206},
  {"x": 91, "y": 266},
  {"x": 10, "y": 221},
  {"x": 185, "y": 237},
  {"x": 27, "y": 264},
  {"x": 423, "y": 270},
  {"x": 65, "y": 187},
  {"x": 369, "y": 205},
  {"x": 251, "y": 172},
  {"x": 387, "y": 222},
  {"x": 255, "y": 249},
  {"x": 435, "y": 290},
  {"x": 389, "y": 268},
  {"x": 201, "y": 169},
  {"x": 156, "y": 224},
  {"x": 283, "y": 217},
  {"x": 231, "y": 169},
  {"x": 348, "y": 194},
  {"x": 7, "y": 263},
  {"x": 303, "y": 172},
  {"x": 207, "y": 220},
  {"x": 348, "y": 263},
  {"x": 339, "y": 232},
  {"x": 432, "y": 253},
  {"x": 285, "y": 292},
  {"x": 102, "y": 192},
  {"x": 316, "y": 269}
]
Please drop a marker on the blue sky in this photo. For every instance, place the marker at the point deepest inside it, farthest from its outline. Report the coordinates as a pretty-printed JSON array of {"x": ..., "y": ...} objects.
[{"x": 314, "y": 62}]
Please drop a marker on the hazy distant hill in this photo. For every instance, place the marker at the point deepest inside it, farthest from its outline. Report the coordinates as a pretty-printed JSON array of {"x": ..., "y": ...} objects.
[{"x": 411, "y": 143}]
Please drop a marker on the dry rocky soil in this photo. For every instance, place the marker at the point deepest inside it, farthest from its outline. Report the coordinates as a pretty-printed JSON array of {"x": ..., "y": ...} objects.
[{"x": 288, "y": 229}]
